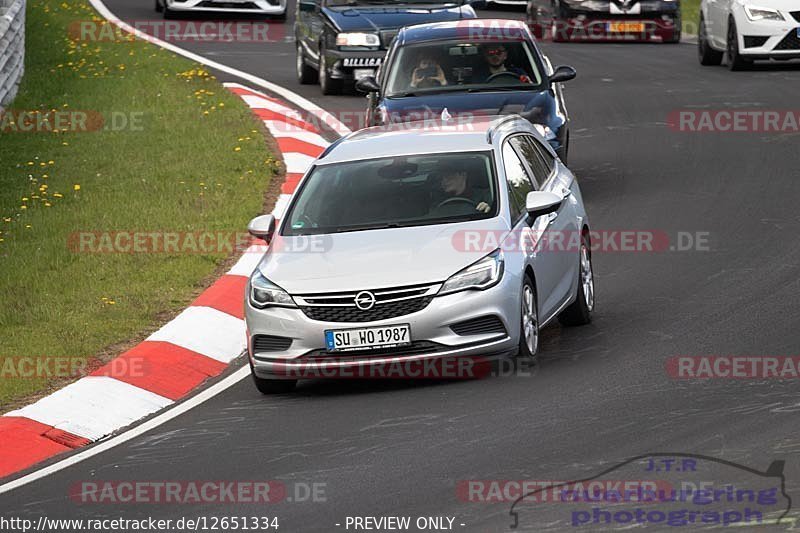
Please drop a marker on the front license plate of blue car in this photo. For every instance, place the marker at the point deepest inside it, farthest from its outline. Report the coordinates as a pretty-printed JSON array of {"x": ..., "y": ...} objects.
[{"x": 342, "y": 340}]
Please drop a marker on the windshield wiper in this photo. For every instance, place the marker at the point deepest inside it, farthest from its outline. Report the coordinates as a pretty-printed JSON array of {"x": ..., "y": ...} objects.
[{"x": 365, "y": 227}]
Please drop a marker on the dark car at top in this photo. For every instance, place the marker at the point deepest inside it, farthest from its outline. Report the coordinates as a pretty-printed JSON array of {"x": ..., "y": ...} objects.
[
  {"x": 341, "y": 40},
  {"x": 463, "y": 83},
  {"x": 605, "y": 20}
]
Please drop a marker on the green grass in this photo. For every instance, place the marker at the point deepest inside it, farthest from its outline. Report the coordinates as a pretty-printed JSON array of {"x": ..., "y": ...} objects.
[
  {"x": 197, "y": 161},
  {"x": 690, "y": 10}
]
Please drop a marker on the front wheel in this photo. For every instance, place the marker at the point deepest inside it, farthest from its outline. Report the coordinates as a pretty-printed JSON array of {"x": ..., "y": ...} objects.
[
  {"x": 579, "y": 312},
  {"x": 707, "y": 55},
  {"x": 735, "y": 59},
  {"x": 529, "y": 322},
  {"x": 326, "y": 83},
  {"x": 159, "y": 7},
  {"x": 305, "y": 74}
]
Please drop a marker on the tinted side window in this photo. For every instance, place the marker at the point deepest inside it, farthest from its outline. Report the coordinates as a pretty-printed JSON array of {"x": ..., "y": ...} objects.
[
  {"x": 519, "y": 183},
  {"x": 536, "y": 162},
  {"x": 549, "y": 159}
]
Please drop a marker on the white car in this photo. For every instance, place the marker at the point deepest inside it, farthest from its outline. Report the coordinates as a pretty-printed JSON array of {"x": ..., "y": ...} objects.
[
  {"x": 272, "y": 8},
  {"x": 748, "y": 30}
]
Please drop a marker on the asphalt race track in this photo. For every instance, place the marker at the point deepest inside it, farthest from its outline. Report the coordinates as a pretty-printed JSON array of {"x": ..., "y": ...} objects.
[{"x": 601, "y": 393}]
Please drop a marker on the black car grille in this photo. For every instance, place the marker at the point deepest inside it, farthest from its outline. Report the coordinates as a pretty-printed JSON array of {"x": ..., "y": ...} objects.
[
  {"x": 415, "y": 348},
  {"x": 379, "y": 312},
  {"x": 754, "y": 42},
  {"x": 388, "y": 303},
  {"x": 796, "y": 15},
  {"x": 479, "y": 326},
  {"x": 270, "y": 343},
  {"x": 790, "y": 42}
]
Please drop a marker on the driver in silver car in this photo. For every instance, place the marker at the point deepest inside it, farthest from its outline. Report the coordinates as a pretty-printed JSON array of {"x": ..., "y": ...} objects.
[{"x": 454, "y": 183}]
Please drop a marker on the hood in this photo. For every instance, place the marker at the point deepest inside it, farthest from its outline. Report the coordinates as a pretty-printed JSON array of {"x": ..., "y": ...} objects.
[
  {"x": 376, "y": 18},
  {"x": 538, "y": 107},
  {"x": 372, "y": 259}
]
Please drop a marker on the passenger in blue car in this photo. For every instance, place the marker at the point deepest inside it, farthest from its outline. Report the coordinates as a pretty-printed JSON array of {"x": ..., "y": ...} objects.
[{"x": 495, "y": 56}]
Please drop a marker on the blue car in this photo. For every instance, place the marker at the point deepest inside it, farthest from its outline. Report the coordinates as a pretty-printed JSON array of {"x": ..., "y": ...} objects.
[{"x": 463, "y": 69}]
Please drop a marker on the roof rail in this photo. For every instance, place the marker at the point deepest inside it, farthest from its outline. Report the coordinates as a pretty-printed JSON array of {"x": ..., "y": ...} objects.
[{"x": 500, "y": 122}]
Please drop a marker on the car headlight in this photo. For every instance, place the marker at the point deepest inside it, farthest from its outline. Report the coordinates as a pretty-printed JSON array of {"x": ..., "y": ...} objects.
[
  {"x": 480, "y": 275},
  {"x": 762, "y": 13},
  {"x": 357, "y": 39},
  {"x": 264, "y": 293}
]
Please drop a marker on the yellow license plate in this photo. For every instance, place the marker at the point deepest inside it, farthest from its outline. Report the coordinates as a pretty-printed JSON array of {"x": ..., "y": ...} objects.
[{"x": 626, "y": 27}]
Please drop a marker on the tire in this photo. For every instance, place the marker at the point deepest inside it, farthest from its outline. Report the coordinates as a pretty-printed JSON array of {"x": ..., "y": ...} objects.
[
  {"x": 159, "y": 7},
  {"x": 272, "y": 386},
  {"x": 305, "y": 74},
  {"x": 707, "y": 55},
  {"x": 168, "y": 13},
  {"x": 735, "y": 59},
  {"x": 579, "y": 312},
  {"x": 529, "y": 321},
  {"x": 279, "y": 16},
  {"x": 326, "y": 84}
]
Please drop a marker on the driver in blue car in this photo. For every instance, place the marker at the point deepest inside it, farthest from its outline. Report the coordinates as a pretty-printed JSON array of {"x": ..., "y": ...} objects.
[
  {"x": 454, "y": 183},
  {"x": 495, "y": 56}
]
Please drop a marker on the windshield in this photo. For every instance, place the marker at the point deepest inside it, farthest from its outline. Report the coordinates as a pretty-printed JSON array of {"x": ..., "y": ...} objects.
[
  {"x": 394, "y": 192},
  {"x": 463, "y": 66}
]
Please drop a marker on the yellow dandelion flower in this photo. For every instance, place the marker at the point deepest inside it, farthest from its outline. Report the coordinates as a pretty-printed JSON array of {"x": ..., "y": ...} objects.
[{"x": 76, "y": 187}]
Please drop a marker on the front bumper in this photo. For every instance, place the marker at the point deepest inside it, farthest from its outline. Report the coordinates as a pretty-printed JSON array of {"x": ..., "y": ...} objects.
[
  {"x": 262, "y": 7},
  {"x": 767, "y": 39},
  {"x": 345, "y": 63},
  {"x": 430, "y": 326},
  {"x": 596, "y": 20}
]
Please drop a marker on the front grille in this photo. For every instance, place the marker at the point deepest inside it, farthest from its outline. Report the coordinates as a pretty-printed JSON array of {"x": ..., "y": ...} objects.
[
  {"x": 379, "y": 312},
  {"x": 479, "y": 326},
  {"x": 270, "y": 343},
  {"x": 754, "y": 42},
  {"x": 389, "y": 303},
  {"x": 387, "y": 36},
  {"x": 415, "y": 348},
  {"x": 796, "y": 15},
  {"x": 790, "y": 42}
]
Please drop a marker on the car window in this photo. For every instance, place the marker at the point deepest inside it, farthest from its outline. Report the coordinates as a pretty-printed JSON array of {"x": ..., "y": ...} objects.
[
  {"x": 391, "y": 192},
  {"x": 549, "y": 158},
  {"x": 460, "y": 65},
  {"x": 519, "y": 183},
  {"x": 540, "y": 168}
]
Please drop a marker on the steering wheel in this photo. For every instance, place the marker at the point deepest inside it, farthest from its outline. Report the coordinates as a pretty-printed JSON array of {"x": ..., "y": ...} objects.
[
  {"x": 498, "y": 75},
  {"x": 456, "y": 199},
  {"x": 305, "y": 221}
]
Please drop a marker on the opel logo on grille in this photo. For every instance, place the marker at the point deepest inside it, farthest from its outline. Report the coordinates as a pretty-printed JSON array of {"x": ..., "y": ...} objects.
[{"x": 365, "y": 300}]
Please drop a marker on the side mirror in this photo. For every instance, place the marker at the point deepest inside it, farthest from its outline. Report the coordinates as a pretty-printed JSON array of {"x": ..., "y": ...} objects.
[
  {"x": 262, "y": 227},
  {"x": 368, "y": 84},
  {"x": 563, "y": 73},
  {"x": 539, "y": 203}
]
